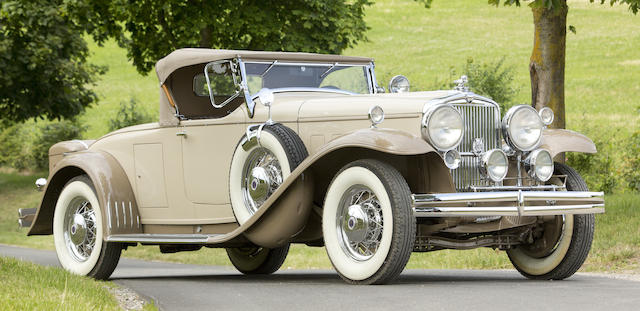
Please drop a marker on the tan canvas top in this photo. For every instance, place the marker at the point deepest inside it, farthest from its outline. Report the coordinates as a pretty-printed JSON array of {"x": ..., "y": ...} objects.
[{"x": 192, "y": 56}]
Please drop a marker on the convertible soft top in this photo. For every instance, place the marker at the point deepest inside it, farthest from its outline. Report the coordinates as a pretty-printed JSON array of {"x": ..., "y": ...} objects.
[{"x": 192, "y": 56}]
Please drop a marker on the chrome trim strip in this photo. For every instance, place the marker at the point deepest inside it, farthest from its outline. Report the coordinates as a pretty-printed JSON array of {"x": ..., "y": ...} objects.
[
  {"x": 124, "y": 215},
  {"x": 311, "y": 89},
  {"x": 115, "y": 207},
  {"x": 131, "y": 213},
  {"x": 162, "y": 238},
  {"x": 109, "y": 213}
]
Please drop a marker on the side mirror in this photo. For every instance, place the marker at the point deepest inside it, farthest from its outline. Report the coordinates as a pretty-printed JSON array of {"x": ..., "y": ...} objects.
[
  {"x": 399, "y": 84},
  {"x": 265, "y": 96}
]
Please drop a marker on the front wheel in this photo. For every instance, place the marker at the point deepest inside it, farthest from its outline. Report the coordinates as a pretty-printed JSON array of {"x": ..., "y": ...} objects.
[
  {"x": 77, "y": 232},
  {"x": 560, "y": 249},
  {"x": 367, "y": 222}
]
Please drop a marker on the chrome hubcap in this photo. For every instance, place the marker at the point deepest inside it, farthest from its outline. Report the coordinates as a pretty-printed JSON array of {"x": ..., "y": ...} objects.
[
  {"x": 80, "y": 229},
  {"x": 261, "y": 177},
  {"x": 359, "y": 222}
]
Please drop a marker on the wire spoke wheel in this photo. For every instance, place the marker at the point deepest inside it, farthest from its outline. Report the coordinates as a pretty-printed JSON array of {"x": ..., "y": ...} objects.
[
  {"x": 359, "y": 222},
  {"x": 261, "y": 176},
  {"x": 80, "y": 228}
]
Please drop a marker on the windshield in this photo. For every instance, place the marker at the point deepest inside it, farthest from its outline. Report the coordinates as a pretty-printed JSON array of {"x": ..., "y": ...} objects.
[{"x": 273, "y": 75}]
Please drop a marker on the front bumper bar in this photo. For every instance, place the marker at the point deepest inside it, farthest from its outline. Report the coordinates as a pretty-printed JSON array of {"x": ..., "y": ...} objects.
[{"x": 507, "y": 203}]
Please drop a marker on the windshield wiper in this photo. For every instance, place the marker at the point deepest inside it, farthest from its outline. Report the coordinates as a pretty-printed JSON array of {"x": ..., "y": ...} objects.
[
  {"x": 268, "y": 68},
  {"x": 328, "y": 70}
]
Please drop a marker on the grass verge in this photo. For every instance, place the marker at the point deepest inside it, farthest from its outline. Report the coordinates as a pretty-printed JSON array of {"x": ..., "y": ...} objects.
[{"x": 27, "y": 286}]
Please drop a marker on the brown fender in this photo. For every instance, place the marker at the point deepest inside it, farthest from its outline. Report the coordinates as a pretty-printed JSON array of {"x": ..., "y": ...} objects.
[
  {"x": 286, "y": 211},
  {"x": 559, "y": 140},
  {"x": 116, "y": 197}
]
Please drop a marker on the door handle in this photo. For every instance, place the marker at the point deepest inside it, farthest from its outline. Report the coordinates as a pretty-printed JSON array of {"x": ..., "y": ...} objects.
[{"x": 182, "y": 133}]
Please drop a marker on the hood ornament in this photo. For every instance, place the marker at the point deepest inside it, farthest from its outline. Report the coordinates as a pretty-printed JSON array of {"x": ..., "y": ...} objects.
[{"x": 461, "y": 84}]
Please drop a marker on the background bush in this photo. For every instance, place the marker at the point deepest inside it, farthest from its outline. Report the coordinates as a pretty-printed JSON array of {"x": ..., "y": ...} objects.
[
  {"x": 129, "y": 114},
  {"x": 25, "y": 146},
  {"x": 50, "y": 133},
  {"x": 15, "y": 145},
  {"x": 491, "y": 79}
]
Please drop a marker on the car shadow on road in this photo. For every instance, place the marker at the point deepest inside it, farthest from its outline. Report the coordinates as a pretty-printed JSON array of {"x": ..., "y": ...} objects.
[{"x": 412, "y": 277}]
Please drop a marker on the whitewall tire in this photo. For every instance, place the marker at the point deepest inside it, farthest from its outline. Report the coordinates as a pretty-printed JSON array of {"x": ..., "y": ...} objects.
[
  {"x": 78, "y": 232},
  {"x": 563, "y": 245},
  {"x": 367, "y": 223},
  {"x": 258, "y": 169}
]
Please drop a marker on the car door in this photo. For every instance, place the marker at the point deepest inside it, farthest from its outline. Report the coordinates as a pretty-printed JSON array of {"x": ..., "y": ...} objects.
[{"x": 208, "y": 142}]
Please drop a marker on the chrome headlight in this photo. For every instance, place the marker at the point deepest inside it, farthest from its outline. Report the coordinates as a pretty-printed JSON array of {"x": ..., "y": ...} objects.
[
  {"x": 442, "y": 127},
  {"x": 399, "y": 84},
  {"x": 539, "y": 165},
  {"x": 522, "y": 127},
  {"x": 494, "y": 165}
]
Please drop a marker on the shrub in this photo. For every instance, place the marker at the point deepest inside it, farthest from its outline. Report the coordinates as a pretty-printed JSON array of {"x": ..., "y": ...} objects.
[
  {"x": 129, "y": 115},
  {"x": 632, "y": 163},
  {"x": 15, "y": 146},
  {"x": 599, "y": 170},
  {"x": 50, "y": 133},
  {"x": 491, "y": 79}
]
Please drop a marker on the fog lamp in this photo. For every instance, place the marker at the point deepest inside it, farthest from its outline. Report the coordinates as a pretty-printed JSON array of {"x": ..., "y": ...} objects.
[
  {"x": 494, "y": 165},
  {"x": 539, "y": 165}
]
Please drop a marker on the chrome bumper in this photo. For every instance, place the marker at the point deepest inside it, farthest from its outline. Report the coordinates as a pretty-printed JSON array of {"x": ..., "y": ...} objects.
[{"x": 507, "y": 203}]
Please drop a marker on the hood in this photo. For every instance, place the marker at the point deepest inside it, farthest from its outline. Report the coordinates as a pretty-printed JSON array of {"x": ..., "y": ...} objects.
[
  {"x": 317, "y": 106},
  {"x": 350, "y": 107}
]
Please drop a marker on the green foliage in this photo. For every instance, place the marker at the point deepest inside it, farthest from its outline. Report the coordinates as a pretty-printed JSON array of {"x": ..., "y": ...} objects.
[
  {"x": 49, "y": 134},
  {"x": 151, "y": 29},
  {"x": 43, "y": 59},
  {"x": 632, "y": 163},
  {"x": 491, "y": 79},
  {"x": 25, "y": 146},
  {"x": 129, "y": 114},
  {"x": 599, "y": 170},
  {"x": 15, "y": 146}
]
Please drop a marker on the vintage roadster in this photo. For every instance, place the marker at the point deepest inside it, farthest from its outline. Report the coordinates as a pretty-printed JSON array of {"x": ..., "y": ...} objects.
[{"x": 254, "y": 151}]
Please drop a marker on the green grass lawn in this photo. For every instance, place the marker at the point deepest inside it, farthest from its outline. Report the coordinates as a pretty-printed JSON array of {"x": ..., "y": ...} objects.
[{"x": 56, "y": 289}]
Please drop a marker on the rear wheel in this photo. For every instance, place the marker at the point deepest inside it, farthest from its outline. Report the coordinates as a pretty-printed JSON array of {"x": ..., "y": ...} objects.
[
  {"x": 258, "y": 260},
  {"x": 77, "y": 232},
  {"x": 563, "y": 244},
  {"x": 367, "y": 222}
]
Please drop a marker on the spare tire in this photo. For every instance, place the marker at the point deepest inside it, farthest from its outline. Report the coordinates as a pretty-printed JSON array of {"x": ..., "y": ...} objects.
[{"x": 260, "y": 166}]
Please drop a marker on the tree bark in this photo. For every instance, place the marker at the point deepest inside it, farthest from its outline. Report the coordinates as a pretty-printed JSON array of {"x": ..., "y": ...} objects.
[
  {"x": 547, "y": 60},
  {"x": 206, "y": 37}
]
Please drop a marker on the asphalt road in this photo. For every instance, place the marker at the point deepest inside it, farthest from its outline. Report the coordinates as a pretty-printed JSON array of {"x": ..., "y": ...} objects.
[{"x": 193, "y": 287}]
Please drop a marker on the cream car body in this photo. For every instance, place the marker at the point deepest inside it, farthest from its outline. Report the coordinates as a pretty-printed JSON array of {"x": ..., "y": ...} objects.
[{"x": 168, "y": 183}]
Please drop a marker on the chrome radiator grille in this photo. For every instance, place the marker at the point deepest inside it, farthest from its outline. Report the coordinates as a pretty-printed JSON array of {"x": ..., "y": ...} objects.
[{"x": 481, "y": 121}]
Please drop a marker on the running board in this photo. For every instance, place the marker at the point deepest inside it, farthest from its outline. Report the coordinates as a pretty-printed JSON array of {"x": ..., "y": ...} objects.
[{"x": 162, "y": 238}]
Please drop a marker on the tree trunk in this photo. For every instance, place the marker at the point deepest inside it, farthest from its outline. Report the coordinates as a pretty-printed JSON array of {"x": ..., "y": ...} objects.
[
  {"x": 205, "y": 37},
  {"x": 547, "y": 60}
]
